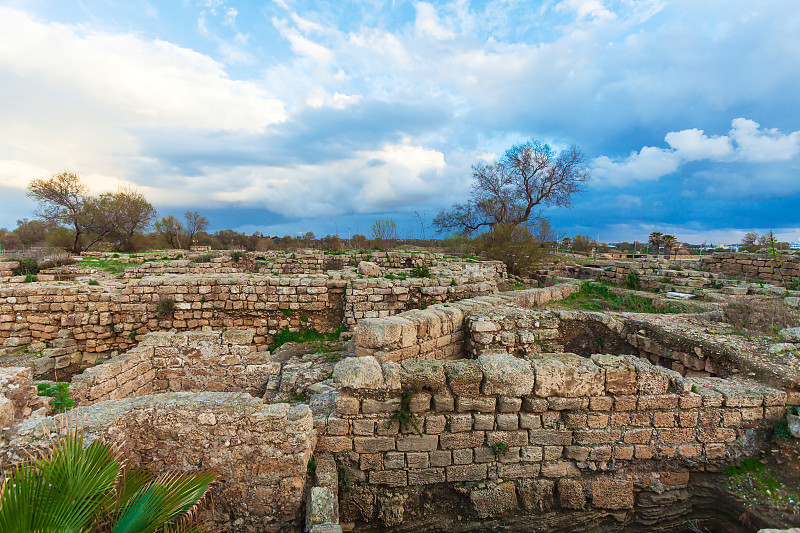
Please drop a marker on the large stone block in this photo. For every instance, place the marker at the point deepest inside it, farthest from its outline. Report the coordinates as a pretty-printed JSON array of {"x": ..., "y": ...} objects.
[
  {"x": 506, "y": 375},
  {"x": 494, "y": 501},
  {"x": 612, "y": 493},
  {"x": 419, "y": 374},
  {"x": 567, "y": 375},
  {"x": 464, "y": 377},
  {"x": 359, "y": 373}
]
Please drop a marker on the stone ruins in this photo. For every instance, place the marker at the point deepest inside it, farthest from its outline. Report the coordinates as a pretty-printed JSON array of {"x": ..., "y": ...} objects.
[{"x": 448, "y": 397}]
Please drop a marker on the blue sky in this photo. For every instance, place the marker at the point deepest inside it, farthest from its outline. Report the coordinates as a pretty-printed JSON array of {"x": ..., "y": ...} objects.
[{"x": 287, "y": 117}]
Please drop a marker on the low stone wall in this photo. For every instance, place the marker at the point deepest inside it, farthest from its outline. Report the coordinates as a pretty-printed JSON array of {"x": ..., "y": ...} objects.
[
  {"x": 186, "y": 362},
  {"x": 555, "y": 416},
  {"x": 111, "y": 318},
  {"x": 782, "y": 270},
  {"x": 522, "y": 331},
  {"x": 260, "y": 452},
  {"x": 106, "y": 319},
  {"x": 658, "y": 274},
  {"x": 18, "y": 398},
  {"x": 440, "y": 331}
]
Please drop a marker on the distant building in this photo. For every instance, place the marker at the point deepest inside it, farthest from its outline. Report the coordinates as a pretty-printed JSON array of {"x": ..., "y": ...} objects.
[{"x": 795, "y": 246}]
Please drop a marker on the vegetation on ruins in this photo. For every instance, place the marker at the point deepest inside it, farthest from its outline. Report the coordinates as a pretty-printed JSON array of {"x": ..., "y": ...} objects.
[
  {"x": 403, "y": 415},
  {"x": 305, "y": 335},
  {"x": 596, "y": 296},
  {"x": 500, "y": 448},
  {"x": 59, "y": 392},
  {"x": 763, "y": 316},
  {"x": 77, "y": 488}
]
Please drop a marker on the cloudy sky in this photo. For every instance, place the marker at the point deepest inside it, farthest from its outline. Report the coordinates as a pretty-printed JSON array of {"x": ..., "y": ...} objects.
[{"x": 289, "y": 116}]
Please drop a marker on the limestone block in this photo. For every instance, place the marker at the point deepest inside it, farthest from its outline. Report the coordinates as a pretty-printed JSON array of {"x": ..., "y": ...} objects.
[
  {"x": 464, "y": 377},
  {"x": 790, "y": 335},
  {"x": 612, "y": 494},
  {"x": 6, "y": 411},
  {"x": 359, "y": 373},
  {"x": 326, "y": 528},
  {"x": 620, "y": 376},
  {"x": 368, "y": 268},
  {"x": 567, "y": 375},
  {"x": 506, "y": 375},
  {"x": 418, "y": 374},
  {"x": 571, "y": 494},
  {"x": 494, "y": 501},
  {"x": 391, "y": 376},
  {"x": 321, "y": 507},
  {"x": 536, "y": 495},
  {"x": 242, "y": 337}
]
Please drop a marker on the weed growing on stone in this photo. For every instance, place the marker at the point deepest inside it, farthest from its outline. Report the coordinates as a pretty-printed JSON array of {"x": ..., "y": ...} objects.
[
  {"x": 305, "y": 336},
  {"x": 499, "y": 449},
  {"x": 93, "y": 282},
  {"x": 598, "y": 297},
  {"x": 111, "y": 266},
  {"x": 345, "y": 480},
  {"x": 61, "y": 401},
  {"x": 165, "y": 308},
  {"x": 311, "y": 467},
  {"x": 420, "y": 271},
  {"x": 404, "y": 415}
]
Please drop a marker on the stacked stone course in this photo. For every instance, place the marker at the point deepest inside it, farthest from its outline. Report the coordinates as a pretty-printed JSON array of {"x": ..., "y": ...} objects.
[
  {"x": 780, "y": 270},
  {"x": 559, "y": 415},
  {"x": 441, "y": 330},
  {"x": 173, "y": 362},
  {"x": 259, "y": 451}
]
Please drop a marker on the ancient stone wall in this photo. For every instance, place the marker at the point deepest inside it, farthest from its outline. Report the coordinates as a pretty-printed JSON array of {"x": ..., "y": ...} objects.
[
  {"x": 780, "y": 270},
  {"x": 18, "y": 398},
  {"x": 521, "y": 331},
  {"x": 185, "y": 362},
  {"x": 259, "y": 451},
  {"x": 553, "y": 416},
  {"x": 111, "y": 317},
  {"x": 658, "y": 274},
  {"x": 439, "y": 332}
]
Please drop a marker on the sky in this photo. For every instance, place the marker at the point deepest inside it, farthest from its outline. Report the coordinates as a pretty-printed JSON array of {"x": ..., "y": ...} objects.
[{"x": 291, "y": 116}]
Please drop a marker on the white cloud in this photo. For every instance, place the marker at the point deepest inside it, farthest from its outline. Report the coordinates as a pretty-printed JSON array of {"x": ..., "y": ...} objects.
[
  {"x": 595, "y": 9},
  {"x": 746, "y": 142},
  {"x": 136, "y": 81},
  {"x": 648, "y": 164},
  {"x": 694, "y": 145},
  {"x": 757, "y": 145},
  {"x": 428, "y": 23}
]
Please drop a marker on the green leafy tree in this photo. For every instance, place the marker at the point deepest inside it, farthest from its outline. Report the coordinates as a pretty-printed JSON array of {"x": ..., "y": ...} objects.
[
  {"x": 86, "y": 489},
  {"x": 669, "y": 242},
  {"x": 513, "y": 245},
  {"x": 655, "y": 241},
  {"x": 171, "y": 229}
]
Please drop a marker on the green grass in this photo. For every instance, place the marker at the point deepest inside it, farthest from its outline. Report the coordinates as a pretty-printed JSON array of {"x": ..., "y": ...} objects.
[
  {"x": 111, "y": 266},
  {"x": 304, "y": 336},
  {"x": 595, "y": 296}
]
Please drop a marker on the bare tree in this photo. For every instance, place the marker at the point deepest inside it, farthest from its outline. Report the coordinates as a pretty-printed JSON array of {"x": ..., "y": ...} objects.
[
  {"x": 171, "y": 228},
  {"x": 528, "y": 176},
  {"x": 134, "y": 215},
  {"x": 384, "y": 231},
  {"x": 61, "y": 199},
  {"x": 195, "y": 223}
]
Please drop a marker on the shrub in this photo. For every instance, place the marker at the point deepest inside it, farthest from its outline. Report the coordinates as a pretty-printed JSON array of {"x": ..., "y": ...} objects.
[
  {"x": 236, "y": 256},
  {"x": 165, "y": 308},
  {"x": 515, "y": 246},
  {"x": 632, "y": 281},
  {"x": 499, "y": 448},
  {"x": 27, "y": 267},
  {"x": 61, "y": 401},
  {"x": 420, "y": 271},
  {"x": 93, "y": 282},
  {"x": 202, "y": 259}
]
